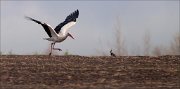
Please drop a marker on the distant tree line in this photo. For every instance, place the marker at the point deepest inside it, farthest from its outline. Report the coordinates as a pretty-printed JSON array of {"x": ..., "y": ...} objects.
[{"x": 120, "y": 48}]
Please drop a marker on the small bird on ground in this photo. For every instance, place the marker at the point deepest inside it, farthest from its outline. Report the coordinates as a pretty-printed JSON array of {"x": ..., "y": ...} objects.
[{"x": 112, "y": 54}]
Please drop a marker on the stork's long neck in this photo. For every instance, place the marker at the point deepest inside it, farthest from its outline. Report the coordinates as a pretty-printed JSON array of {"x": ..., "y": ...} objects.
[
  {"x": 62, "y": 37},
  {"x": 66, "y": 35}
]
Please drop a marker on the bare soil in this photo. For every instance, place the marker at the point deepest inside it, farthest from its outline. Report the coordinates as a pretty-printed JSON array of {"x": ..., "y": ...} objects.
[{"x": 79, "y": 72}]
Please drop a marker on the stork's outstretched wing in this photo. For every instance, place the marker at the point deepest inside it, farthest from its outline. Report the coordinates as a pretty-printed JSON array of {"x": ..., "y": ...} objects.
[
  {"x": 49, "y": 30},
  {"x": 69, "y": 22}
]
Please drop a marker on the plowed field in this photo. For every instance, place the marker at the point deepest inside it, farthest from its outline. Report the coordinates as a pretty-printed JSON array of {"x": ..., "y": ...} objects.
[{"x": 79, "y": 72}]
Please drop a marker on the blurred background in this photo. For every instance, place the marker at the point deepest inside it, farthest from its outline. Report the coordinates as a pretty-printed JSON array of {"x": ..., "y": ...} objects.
[{"x": 127, "y": 27}]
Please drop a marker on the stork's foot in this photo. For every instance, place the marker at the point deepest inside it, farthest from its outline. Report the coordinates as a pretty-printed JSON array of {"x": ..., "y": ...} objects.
[{"x": 57, "y": 49}]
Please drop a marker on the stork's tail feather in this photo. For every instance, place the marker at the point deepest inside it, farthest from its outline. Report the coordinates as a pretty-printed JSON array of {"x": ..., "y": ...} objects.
[{"x": 45, "y": 38}]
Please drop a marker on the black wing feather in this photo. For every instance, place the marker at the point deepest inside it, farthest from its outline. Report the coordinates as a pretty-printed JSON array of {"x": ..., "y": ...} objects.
[
  {"x": 72, "y": 17},
  {"x": 46, "y": 28}
]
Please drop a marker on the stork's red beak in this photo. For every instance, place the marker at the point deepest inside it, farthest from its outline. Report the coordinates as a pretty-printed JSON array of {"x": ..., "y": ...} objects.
[{"x": 71, "y": 36}]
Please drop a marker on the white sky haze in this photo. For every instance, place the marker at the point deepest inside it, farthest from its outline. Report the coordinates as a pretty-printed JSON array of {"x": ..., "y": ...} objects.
[{"x": 95, "y": 23}]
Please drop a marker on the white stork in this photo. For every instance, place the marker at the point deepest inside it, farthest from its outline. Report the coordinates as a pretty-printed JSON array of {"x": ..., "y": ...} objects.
[{"x": 60, "y": 33}]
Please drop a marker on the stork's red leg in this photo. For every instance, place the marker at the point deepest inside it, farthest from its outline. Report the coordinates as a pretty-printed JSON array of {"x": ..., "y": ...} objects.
[{"x": 56, "y": 48}]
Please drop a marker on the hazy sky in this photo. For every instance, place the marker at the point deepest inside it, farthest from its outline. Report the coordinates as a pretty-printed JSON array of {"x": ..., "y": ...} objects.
[{"x": 95, "y": 26}]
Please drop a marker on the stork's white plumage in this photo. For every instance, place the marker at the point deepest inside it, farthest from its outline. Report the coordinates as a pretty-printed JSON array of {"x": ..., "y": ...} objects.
[{"x": 60, "y": 33}]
